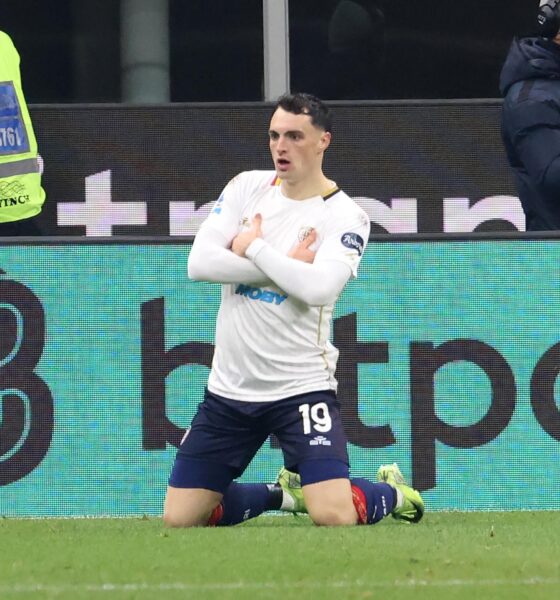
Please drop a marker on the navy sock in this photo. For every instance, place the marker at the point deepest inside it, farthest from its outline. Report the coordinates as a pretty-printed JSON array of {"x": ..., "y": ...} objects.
[
  {"x": 379, "y": 499},
  {"x": 244, "y": 501}
]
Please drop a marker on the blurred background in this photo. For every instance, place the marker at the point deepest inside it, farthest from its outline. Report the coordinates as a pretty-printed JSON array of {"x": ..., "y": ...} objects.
[{"x": 76, "y": 51}]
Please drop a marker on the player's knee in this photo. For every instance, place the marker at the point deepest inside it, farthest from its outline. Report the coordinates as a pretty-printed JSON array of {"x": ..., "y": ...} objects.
[
  {"x": 180, "y": 513},
  {"x": 176, "y": 519},
  {"x": 173, "y": 520},
  {"x": 181, "y": 518},
  {"x": 186, "y": 507},
  {"x": 333, "y": 516},
  {"x": 330, "y": 502}
]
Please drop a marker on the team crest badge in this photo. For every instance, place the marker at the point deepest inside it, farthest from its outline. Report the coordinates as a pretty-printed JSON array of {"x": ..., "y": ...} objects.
[{"x": 304, "y": 233}]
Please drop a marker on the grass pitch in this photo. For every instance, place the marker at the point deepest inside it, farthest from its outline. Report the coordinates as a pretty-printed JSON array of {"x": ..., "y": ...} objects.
[{"x": 446, "y": 556}]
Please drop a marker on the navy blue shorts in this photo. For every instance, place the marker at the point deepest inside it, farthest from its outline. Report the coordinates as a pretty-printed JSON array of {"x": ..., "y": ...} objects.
[{"x": 226, "y": 434}]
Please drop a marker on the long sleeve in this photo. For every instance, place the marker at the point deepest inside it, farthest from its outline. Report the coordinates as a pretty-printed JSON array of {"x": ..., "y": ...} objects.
[
  {"x": 211, "y": 260},
  {"x": 315, "y": 284}
]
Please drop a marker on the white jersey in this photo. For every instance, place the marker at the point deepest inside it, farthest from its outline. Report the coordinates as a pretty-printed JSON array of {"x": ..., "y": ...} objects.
[{"x": 268, "y": 345}]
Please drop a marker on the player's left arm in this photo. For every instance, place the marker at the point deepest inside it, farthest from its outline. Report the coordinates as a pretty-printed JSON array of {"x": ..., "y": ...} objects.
[{"x": 320, "y": 282}]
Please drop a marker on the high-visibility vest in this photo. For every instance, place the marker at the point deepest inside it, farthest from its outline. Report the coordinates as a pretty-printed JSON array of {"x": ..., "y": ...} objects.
[{"x": 21, "y": 194}]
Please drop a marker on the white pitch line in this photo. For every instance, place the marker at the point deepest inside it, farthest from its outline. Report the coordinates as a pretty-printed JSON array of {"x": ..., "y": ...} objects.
[{"x": 201, "y": 587}]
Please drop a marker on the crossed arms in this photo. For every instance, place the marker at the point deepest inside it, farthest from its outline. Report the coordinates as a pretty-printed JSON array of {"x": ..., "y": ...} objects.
[{"x": 249, "y": 259}]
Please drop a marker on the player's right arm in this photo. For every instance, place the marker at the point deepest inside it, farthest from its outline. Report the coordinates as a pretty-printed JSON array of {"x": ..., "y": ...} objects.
[{"x": 211, "y": 258}]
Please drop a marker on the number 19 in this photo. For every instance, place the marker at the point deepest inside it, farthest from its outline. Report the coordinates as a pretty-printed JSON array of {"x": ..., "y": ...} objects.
[{"x": 318, "y": 415}]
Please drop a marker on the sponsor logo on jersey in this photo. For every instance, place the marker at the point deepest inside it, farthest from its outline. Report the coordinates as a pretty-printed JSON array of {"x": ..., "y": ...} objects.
[
  {"x": 353, "y": 241},
  {"x": 255, "y": 293}
]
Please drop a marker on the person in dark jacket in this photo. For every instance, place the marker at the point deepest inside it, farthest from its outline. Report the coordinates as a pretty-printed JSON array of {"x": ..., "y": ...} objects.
[{"x": 530, "y": 85}]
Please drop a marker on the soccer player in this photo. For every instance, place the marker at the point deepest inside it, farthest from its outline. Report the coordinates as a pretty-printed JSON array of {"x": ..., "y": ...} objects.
[{"x": 283, "y": 244}]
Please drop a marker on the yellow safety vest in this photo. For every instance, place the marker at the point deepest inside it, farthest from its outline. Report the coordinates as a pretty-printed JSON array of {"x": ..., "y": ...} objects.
[{"x": 21, "y": 194}]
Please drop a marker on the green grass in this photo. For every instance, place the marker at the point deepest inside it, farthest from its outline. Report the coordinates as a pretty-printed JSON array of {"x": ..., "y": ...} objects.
[{"x": 448, "y": 555}]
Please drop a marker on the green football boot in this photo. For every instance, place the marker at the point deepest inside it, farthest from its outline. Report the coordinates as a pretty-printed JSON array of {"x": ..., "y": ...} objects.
[
  {"x": 291, "y": 485},
  {"x": 410, "y": 506}
]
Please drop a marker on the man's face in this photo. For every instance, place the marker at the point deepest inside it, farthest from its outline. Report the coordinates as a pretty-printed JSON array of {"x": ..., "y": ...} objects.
[{"x": 296, "y": 145}]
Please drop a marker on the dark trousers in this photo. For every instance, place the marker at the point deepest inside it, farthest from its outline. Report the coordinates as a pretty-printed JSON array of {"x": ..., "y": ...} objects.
[{"x": 23, "y": 228}]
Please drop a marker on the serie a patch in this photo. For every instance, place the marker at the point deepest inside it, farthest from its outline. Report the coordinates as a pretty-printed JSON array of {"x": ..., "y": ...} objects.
[{"x": 353, "y": 241}]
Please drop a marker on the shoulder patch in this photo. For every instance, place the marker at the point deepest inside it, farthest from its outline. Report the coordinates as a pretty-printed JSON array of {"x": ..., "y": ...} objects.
[{"x": 353, "y": 241}]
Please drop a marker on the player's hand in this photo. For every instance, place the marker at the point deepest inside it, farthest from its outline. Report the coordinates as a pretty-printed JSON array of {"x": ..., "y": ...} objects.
[
  {"x": 242, "y": 240},
  {"x": 302, "y": 251}
]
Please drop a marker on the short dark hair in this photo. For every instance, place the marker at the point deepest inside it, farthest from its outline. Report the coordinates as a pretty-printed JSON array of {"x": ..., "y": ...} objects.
[{"x": 307, "y": 104}]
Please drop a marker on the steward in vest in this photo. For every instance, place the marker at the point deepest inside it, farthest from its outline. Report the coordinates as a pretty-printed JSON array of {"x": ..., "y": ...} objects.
[{"x": 21, "y": 194}]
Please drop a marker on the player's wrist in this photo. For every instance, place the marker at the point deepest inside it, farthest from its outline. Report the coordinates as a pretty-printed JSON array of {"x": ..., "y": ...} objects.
[{"x": 254, "y": 248}]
